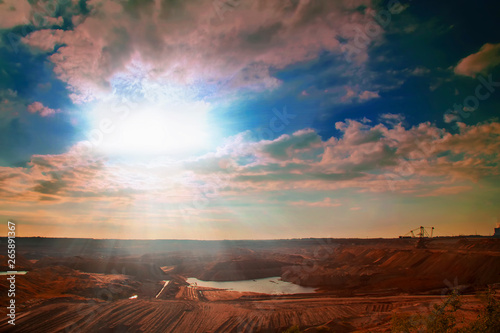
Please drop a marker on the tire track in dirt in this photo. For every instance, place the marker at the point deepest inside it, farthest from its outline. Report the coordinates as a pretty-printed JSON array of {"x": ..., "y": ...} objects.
[{"x": 194, "y": 316}]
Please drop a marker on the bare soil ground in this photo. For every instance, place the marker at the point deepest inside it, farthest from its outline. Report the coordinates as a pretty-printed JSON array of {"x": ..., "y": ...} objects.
[
  {"x": 369, "y": 314},
  {"x": 361, "y": 284}
]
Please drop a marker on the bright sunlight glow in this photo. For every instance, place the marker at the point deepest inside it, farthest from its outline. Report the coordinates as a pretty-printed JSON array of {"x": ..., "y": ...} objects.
[{"x": 170, "y": 129}]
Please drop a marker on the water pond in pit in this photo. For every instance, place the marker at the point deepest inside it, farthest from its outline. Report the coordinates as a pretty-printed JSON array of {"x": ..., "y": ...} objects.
[
  {"x": 271, "y": 285},
  {"x": 14, "y": 273}
]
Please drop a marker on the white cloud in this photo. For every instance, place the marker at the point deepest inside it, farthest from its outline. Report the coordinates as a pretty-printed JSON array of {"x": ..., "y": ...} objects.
[
  {"x": 422, "y": 160},
  {"x": 233, "y": 52}
]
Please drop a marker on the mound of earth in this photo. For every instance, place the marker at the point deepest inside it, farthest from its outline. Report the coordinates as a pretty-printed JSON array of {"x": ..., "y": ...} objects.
[
  {"x": 241, "y": 270},
  {"x": 21, "y": 263},
  {"x": 415, "y": 270},
  {"x": 139, "y": 270},
  {"x": 60, "y": 281}
]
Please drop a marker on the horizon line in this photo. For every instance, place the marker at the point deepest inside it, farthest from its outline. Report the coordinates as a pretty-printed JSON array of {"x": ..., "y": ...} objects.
[{"x": 244, "y": 239}]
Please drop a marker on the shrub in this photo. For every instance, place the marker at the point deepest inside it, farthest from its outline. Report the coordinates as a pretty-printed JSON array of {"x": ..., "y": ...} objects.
[
  {"x": 488, "y": 320},
  {"x": 293, "y": 329},
  {"x": 443, "y": 320}
]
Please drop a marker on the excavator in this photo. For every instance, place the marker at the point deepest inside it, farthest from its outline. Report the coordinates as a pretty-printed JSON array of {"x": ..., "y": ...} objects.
[{"x": 422, "y": 234}]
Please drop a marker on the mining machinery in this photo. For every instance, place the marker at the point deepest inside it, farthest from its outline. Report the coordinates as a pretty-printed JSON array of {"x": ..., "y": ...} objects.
[{"x": 421, "y": 232}]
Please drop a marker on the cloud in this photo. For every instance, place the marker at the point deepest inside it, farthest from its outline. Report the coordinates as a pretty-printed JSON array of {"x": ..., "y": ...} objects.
[
  {"x": 5, "y": 95},
  {"x": 78, "y": 188},
  {"x": 356, "y": 95},
  {"x": 367, "y": 157},
  {"x": 420, "y": 71},
  {"x": 392, "y": 119},
  {"x": 314, "y": 176},
  {"x": 480, "y": 62},
  {"x": 50, "y": 186},
  {"x": 367, "y": 95},
  {"x": 55, "y": 176},
  {"x": 286, "y": 145},
  {"x": 327, "y": 202},
  {"x": 450, "y": 117},
  {"x": 14, "y": 13},
  {"x": 447, "y": 190},
  {"x": 421, "y": 160},
  {"x": 44, "y": 111},
  {"x": 188, "y": 41}
]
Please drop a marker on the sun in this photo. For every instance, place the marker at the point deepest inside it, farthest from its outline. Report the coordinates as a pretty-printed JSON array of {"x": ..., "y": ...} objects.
[
  {"x": 163, "y": 131},
  {"x": 169, "y": 129}
]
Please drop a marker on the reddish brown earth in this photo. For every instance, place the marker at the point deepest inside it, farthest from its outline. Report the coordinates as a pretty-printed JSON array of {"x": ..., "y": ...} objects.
[
  {"x": 270, "y": 315},
  {"x": 361, "y": 283}
]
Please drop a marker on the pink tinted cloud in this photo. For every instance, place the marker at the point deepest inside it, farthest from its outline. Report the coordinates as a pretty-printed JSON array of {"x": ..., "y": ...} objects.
[
  {"x": 367, "y": 95},
  {"x": 327, "y": 202},
  {"x": 39, "y": 108},
  {"x": 367, "y": 158},
  {"x": 356, "y": 94},
  {"x": 486, "y": 58},
  {"x": 14, "y": 13},
  {"x": 446, "y": 190},
  {"x": 236, "y": 51}
]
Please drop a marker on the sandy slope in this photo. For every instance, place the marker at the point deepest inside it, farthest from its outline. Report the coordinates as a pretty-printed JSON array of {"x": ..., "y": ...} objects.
[
  {"x": 272, "y": 315},
  {"x": 87, "y": 293}
]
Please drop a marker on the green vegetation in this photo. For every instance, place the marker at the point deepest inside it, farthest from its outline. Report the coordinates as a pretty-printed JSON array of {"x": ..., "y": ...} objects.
[
  {"x": 293, "y": 329},
  {"x": 443, "y": 318},
  {"x": 488, "y": 320}
]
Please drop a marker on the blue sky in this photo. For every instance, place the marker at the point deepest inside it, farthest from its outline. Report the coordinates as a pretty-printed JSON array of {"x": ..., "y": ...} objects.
[{"x": 252, "y": 119}]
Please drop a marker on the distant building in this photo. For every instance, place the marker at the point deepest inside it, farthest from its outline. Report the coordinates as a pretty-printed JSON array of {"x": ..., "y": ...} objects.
[{"x": 497, "y": 233}]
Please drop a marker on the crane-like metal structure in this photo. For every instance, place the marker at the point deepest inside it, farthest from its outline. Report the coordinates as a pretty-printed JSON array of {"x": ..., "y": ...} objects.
[{"x": 422, "y": 233}]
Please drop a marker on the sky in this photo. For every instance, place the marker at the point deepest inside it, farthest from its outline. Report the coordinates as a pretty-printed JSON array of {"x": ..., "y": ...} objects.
[{"x": 249, "y": 119}]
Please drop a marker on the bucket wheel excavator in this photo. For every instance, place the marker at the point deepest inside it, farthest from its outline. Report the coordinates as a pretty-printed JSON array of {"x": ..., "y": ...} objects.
[{"x": 421, "y": 233}]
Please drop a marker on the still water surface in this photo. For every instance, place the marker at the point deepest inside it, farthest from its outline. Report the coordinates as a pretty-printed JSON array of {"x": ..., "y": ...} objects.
[
  {"x": 16, "y": 273},
  {"x": 271, "y": 285}
]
